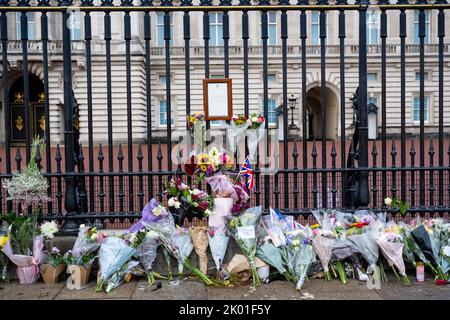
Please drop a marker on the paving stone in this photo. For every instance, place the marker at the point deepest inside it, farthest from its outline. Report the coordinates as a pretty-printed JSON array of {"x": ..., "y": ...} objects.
[
  {"x": 184, "y": 290},
  {"x": 34, "y": 291},
  {"x": 123, "y": 291}
]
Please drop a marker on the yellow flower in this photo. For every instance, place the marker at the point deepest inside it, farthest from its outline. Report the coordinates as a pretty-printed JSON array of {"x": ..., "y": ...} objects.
[
  {"x": 204, "y": 167},
  {"x": 3, "y": 241},
  {"x": 203, "y": 158}
]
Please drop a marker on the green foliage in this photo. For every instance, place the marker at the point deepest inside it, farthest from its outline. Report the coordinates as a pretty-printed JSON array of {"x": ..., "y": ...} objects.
[{"x": 22, "y": 232}]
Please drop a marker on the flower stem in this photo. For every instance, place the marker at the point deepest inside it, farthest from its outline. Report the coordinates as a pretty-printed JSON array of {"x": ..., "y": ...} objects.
[
  {"x": 395, "y": 272},
  {"x": 255, "y": 277},
  {"x": 341, "y": 271},
  {"x": 406, "y": 281},
  {"x": 327, "y": 276},
  {"x": 150, "y": 278},
  {"x": 382, "y": 272},
  {"x": 288, "y": 276},
  {"x": 99, "y": 286}
]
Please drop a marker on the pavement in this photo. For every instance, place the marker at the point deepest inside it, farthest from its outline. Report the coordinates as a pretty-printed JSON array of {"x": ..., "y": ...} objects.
[{"x": 315, "y": 289}]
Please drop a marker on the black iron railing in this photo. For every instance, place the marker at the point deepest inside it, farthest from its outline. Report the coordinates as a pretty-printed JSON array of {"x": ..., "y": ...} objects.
[{"x": 87, "y": 184}]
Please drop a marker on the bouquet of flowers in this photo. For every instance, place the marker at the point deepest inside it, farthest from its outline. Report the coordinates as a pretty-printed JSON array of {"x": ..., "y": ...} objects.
[
  {"x": 182, "y": 240},
  {"x": 271, "y": 248},
  {"x": 52, "y": 265},
  {"x": 218, "y": 243},
  {"x": 254, "y": 133},
  {"x": 211, "y": 163},
  {"x": 391, "y": 244},
  {"x": 4, "y": 260},
  {"x": 29, "y": 186},
  {"x": 428, "y": 236},
  {"x": 170, "y": 239},
  {"x": 152, "y": 211},
  {"x": 121, "y": 275},
  {"x": 24, "y": 248},
  {"x": 245, "y": 231},
  {"x": 86, "y": 244},
  {"x": 199, "y": 239},
  {"x": 236, "y": 131},
  {"x": 301, "y": 252},
  {"x": 184, "y": 201},
  {"x": 113, "y": 254},
  {"x": 146, "y": 245},
  {"x": 197, "y": 127}
]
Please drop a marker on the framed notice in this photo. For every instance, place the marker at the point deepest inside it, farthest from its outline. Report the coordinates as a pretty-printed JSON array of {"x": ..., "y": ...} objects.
[{"x": 217, "y": 99}]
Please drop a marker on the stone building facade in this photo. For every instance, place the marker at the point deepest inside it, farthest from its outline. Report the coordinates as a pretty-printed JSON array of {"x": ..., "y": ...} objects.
[{"x": 197, "y": 73}]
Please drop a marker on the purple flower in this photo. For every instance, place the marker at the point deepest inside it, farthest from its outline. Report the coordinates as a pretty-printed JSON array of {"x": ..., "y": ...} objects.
[
  {"x": 55, "y": 250},
  {"x": 149, "y": 214}
]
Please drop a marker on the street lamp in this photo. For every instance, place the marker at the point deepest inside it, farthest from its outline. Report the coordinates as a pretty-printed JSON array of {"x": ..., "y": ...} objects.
[
  {"x": 292, "y": 103},
  {"x": 372, "y": 111}
]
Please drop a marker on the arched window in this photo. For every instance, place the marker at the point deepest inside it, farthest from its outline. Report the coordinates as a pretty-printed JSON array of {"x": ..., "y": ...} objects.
[{"x": 36, "y": 109}]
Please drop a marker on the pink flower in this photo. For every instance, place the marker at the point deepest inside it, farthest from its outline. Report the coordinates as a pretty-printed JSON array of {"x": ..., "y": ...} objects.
[
  {"x": 55, "y": 250},
  {"x": 260, "y": 119}
]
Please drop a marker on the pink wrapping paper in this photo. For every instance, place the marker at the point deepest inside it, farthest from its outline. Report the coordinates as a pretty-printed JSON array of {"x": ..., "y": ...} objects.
[
  {"x": 27, "y": 266},
  {"x": 222, "y": 207}
]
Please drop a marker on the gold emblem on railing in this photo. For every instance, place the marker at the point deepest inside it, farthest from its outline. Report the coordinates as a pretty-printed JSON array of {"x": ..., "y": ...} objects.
[
  {"x": 76, "y": 123},
  {"x": 18, "y": 97},
  {"x": 41, "y": 97},
  {"x": 19, "y": 123},
  {"x": 42, "y": 123}
]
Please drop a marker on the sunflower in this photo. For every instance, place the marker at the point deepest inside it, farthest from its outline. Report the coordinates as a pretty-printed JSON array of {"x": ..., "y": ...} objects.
[{"x": 203, "y": 158}]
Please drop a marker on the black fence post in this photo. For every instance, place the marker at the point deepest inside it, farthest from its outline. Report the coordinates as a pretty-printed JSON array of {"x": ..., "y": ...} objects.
[
  {"x": 363, "y": 129},
  {"x": 70, "y": 204}
]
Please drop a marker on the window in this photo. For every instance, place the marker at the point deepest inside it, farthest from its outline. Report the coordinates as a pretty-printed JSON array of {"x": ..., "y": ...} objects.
[
  {"x": 216, "y": 29},
  {"x": 162, "y": 79},
  {"x": 315, "y": 28},
  {"x": 416, "y": 109},
  {"x": 31, "y": 26},
  {"x": 416, "y": 27},
  {"x": 217, "y": 76},
  {"x": 425, "y": 76},
  {"x": 271, "y": 77},
  {"x": 373, "y": 27},
  {"x": 373, "y": 100},
  {"x": 75, "y": 26},
  {"x": 272, "y": 105},
  {"x": 163, "y": 113},
  {"x": 271, "y": 28},
  {"x": 372, "y": 76},
  {"x": 160, "y": 29}
]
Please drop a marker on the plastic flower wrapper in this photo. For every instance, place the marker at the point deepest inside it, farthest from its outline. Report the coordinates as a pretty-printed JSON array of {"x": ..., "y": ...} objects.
[
  {"x": 197, "y": 126},
  {"x": 182, "y": 240},
  {"x": 245, "y": 231},
  {"x": 218, "y": 243},
  {"x": 199, "y": 239},
  {"x": 271, "y": 255},
  {"x": 152, "y": 211},
  {"x": 236, "y": 131},
  {"x": 253, "y": 138},
  {"x": 429, "y": 243},
  {"x": 4, "y": 260},
  {"x": 88, "y": 241},
  {"x": 391, "y": 245},
  {"x": 166, "y": 238},
  {"x": 113, "y": 254},
  {"x": 147, "y": 253},
  {"x": 120, "y": 276},
  {"x": 301, "y": 252},
  {"x": 445, "y": 258}
]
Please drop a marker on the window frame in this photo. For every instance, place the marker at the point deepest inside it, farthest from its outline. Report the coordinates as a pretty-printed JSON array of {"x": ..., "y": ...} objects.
[
  {"x": 369, "y": 23},
  {"x": 31, "y": 26},
  {"x": 159, "y": 113},
  {"x": 427, "y": 100},
  {"x": 161, "y": 25},
  {"x": 216, "y": 26},
  {"x": 416, "y": 38}
]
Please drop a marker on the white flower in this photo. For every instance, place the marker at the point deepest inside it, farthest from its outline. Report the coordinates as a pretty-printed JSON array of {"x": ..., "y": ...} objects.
[
  {"x": 171, "y": 202},
  {"x": 196, "y": 192},
  {"x": 208, "y": 212},
  {"x": 48, "y": 229},
  {"x": 177, "y": 204},
  {"x": 133, "y": 237},
  {"x": 388, "y": 201},
  {"x": 94, "y": 236},
  {"x": 82, "y": 226},
  {"x": 446, "y": 251},
  {"x": 152, "y": 234},
  {"x": 254, "y": 119},
  {"x": 157, "y": 211}
]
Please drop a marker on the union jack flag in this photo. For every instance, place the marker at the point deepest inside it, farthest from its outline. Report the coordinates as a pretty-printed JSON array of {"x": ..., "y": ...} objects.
[{"x": 247, "y": 171}]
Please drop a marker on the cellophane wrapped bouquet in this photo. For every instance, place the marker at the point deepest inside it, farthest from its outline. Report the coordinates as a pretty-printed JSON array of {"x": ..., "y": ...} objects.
[
  {"x": 254, "y": 133},
  {"x": 432, "y": 237},
  {"x": 182, "y": 240},
  {"x": 146, "y": 244},
  {"x": 300, "y": 252},
  {"x": 245, "y": 230},
  {"x": 323, "y": 239},
  {"x": 236, "y": 131},
  {"x": 272, "y": 243},
  {"x": 170, "y": 239},
  {"x": 391, "y": 244},
  {"x": 218, "y": 244},
  {"x": 114, "y": 253},
  {"x": 86, "y": 244}
]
